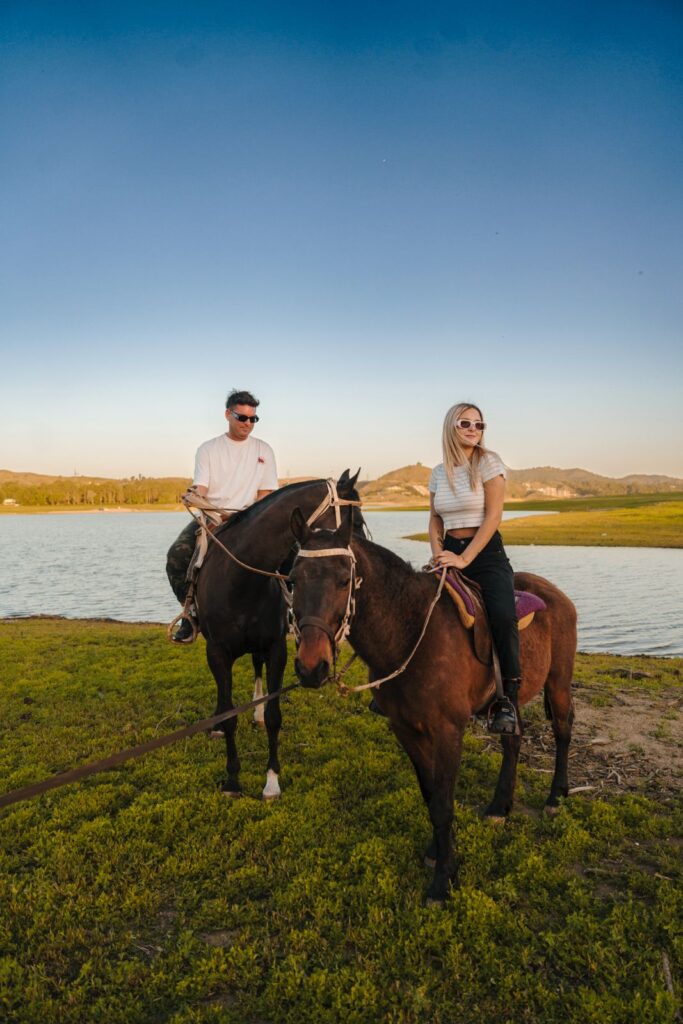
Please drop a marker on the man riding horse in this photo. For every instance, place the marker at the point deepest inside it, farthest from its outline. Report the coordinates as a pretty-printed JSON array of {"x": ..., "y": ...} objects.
[{"x": 232, "y": 471}]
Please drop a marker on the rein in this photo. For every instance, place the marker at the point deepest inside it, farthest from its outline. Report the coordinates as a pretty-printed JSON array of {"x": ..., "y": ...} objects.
[
  {"x": 195, "y": 501},
  {"x": 345, "y": 624}
]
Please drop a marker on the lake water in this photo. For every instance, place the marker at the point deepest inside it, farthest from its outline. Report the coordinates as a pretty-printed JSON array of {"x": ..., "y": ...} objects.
[{"x": 111, "y": 565}]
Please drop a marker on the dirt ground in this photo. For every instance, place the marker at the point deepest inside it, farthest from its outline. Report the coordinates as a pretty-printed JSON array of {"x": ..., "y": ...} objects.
[{"x": 623, "y": 741}]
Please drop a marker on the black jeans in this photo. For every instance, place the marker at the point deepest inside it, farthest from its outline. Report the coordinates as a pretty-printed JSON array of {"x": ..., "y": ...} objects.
[
  {"x": 178, "y": 560},
  {"x": 492, "y": 571}
]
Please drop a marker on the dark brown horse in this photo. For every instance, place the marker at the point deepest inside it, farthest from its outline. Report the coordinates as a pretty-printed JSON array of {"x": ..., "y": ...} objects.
[
  {"x": 431, "y": 702},
  {"x": 241, "y": 612}
]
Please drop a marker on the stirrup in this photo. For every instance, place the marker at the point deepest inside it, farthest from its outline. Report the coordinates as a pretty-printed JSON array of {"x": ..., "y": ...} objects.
[
  {"x": 185, "y": 613},
  {"x": 502, "y": 718}
]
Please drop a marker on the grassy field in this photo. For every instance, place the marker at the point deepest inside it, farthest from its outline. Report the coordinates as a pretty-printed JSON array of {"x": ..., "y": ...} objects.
[
  {"x": 652, "y": 526},
  {"x": 143, "y": 895}
]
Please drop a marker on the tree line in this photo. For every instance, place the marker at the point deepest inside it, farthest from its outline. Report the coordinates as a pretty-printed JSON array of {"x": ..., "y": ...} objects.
[{"x": 94, "y": 493}]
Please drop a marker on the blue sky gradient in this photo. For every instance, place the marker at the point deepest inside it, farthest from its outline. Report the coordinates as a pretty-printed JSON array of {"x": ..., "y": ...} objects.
[{"x": 362, "y": 217}]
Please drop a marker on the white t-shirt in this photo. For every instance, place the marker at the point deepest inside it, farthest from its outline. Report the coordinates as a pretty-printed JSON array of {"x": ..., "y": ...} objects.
[
  {"x": 234, "y": 471},
  {"x": 463, "y": 507}
]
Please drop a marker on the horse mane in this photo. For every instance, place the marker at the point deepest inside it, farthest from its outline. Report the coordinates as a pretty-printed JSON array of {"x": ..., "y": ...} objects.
[
  {"x": 252, "y": 511},
  {"x": 398, "y": 582}
]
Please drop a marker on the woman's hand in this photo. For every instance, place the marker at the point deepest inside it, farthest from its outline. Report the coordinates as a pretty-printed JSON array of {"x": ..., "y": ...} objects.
[{"x": 449, "y": 558}]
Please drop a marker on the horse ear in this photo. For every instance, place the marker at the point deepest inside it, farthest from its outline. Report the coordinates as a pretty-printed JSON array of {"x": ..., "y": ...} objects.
[
  {"x": 299, "y": 526},
  {"x": 346, "y": 483},
  {"x": 343, "y": 534}
]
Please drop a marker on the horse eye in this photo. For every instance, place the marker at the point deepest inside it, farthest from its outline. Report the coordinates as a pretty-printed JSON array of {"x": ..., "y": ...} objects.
[{"x": 343, "y": 584}]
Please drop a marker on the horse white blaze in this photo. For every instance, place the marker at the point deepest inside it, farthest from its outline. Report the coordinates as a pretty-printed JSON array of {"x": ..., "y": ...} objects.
[
  {"x": 271, "y": 790},
  {"x": 259, "y": 712}
]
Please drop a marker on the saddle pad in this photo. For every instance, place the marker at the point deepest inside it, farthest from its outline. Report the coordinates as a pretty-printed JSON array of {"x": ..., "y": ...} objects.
[{"x": 526, "y": 603}]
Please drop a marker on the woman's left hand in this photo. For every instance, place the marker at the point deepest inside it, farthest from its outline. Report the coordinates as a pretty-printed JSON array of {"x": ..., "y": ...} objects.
[{"x": 449, "y": 558}]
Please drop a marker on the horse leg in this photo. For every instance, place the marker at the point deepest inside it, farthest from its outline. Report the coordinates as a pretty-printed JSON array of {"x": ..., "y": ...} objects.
[
  {"x": 220, "y": 663},
  {"x": 259, "y": 711},
  {"x": 430, "y": 852},
  {"x": 501, "y": 804},
  {"x": 436, "y": 765},
  {"x": 559, "y": 707},
  {"x": 446, "y": 755},
  {"x": 275, "y": 670}
]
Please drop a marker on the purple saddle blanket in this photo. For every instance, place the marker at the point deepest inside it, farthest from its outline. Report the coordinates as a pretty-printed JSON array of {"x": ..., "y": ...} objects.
[{"x": 525, "y": 601}]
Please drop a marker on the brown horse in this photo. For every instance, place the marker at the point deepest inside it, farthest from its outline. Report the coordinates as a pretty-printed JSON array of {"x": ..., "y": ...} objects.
[{"x": 430, "y": 703}]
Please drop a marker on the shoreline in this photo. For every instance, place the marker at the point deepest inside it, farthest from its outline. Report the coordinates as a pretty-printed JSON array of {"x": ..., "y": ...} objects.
[{"x": 90, "y": 621}]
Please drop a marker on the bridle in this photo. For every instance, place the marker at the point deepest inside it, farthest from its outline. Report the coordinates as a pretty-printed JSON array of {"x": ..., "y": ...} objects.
[{"x": 344, "y": 628}]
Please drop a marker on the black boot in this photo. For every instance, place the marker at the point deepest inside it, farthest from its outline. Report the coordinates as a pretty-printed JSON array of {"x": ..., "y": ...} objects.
[
  {"x": 185, "y": 632},
  {"x": 502, "y": 716}
]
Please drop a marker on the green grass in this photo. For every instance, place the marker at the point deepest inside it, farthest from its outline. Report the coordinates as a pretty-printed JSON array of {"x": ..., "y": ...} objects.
[
  {"x": 143, "y": 895},
  {"x": 592, "y": 504},
  {"x": 651, "y": 526}
]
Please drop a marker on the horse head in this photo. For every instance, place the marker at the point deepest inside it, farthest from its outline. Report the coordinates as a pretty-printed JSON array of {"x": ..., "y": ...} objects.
[{"x": 324, "y": 583}]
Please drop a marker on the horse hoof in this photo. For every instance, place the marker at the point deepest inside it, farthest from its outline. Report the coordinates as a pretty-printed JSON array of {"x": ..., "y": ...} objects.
[
  {"x": 258, "y": 723},
  {"x": 496, "y": 819},
  {"x": 216, "y": 734},
  {"x": 552, "y": 810},
  {"x": 270, "y": 798},
  {"x": 431, "y": 902},
  {"x": 430, "y": 862},
  {"x": 232, "y": 794},
  {"x": 271, "y": 790}
]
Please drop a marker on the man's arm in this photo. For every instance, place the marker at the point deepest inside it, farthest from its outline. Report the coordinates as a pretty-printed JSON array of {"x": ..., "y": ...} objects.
[{"x": 262, "y": 494}]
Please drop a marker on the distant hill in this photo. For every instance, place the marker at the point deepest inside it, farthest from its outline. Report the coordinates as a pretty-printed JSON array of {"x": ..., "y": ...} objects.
[
  {"x": 408, "y": 485},
  {"x": 404, "y": 486}
]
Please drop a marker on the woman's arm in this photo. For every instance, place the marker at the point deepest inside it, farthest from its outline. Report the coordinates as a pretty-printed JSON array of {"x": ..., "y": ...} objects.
[{"x": 435, "y": 529}]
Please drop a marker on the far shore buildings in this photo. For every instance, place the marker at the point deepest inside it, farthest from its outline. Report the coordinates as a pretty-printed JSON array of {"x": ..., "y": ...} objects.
[{"x": 10, "y": 501}]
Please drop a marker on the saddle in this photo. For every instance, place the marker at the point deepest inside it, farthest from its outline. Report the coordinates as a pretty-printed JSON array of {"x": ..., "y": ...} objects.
[{"x": 468, "y": 600}]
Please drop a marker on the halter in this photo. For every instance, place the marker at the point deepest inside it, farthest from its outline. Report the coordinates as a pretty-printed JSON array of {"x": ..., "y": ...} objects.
[{"x": 312, "y": 620}]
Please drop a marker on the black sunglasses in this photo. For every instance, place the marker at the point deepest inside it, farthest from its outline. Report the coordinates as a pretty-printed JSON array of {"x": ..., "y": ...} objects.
[{"x": 241, "y": 418}]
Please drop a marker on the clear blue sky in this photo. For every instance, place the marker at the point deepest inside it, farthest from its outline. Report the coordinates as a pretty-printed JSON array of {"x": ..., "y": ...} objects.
[{"x": 362, "y": 212}]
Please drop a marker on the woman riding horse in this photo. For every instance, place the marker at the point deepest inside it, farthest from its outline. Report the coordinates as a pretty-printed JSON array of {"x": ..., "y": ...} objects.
[{"x": 467, "y": 491}]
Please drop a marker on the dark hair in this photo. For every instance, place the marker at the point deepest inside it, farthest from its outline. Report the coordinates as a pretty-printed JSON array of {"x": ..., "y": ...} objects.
[{"x": 240, "y": 398}]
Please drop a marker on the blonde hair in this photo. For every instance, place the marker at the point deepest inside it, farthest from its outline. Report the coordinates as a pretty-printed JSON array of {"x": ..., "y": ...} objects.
[{"x": 454, "y": 451}]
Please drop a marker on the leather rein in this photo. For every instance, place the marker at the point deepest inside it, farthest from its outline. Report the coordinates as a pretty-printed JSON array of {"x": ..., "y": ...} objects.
[{"x": 207, "y": 512}]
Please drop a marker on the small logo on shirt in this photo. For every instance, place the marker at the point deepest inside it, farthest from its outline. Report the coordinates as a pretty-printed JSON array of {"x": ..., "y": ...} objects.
[{"x": 261, "y": 460}]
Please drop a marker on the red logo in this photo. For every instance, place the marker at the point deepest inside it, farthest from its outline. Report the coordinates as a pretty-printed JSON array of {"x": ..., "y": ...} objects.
[{"x": 261, "y": 460}]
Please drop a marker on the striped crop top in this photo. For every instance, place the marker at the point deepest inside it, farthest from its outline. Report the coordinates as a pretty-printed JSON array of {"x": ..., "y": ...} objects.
[{"x": 463, "y": 507}]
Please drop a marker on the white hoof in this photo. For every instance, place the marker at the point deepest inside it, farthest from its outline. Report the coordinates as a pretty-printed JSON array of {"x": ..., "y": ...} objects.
[
  {"x": 495, "y": 819},
  {"x": 551, "y": 811},
  {"x": 260, "y": 711},
  {"x": 216, "y": 734},
  {"x": 271, "y": 790}
]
